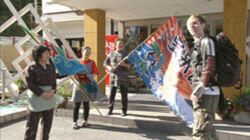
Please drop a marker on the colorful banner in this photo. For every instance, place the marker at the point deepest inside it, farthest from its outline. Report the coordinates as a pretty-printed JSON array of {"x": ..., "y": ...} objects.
[
  {"x": 66, "y": 66},
  {"x": 163, "y": 63},
  {"x": 109, "y": 47}
]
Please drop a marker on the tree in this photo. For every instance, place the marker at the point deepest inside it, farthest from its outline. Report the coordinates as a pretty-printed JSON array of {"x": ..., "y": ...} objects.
[{"x": 5, "y": 14}]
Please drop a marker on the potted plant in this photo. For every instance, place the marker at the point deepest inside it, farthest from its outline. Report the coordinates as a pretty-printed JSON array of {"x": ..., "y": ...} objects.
[
  {"x": 21, "y": 85},
  {"x": 229, "y": 109},
  {"x": 64, "y": 91},
  {"x": 242, "y": 104}
]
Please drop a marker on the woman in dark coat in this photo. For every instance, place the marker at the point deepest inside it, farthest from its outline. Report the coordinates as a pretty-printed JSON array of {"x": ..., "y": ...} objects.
[{"x": 41, "y": 80}]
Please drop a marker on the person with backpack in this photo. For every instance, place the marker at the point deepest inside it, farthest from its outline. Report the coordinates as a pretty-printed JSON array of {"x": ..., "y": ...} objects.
[
  {"x": 205, "y": 95},
  {"x": 77, "y": 95}
]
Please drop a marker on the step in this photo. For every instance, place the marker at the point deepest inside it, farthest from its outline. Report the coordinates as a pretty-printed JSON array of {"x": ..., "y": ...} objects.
[
  {"x": 147, "y": 114},
  {"x": 157, "y": 117},
  {"x": 12, "y": 114},
  {"x": 167, "y": 123}
]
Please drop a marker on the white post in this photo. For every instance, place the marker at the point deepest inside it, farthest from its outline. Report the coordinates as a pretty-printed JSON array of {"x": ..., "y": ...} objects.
[
  {"x": 248, "y": 60},
  {"x": 121, "y": 29},
  {"x": 3, "y": 69}
]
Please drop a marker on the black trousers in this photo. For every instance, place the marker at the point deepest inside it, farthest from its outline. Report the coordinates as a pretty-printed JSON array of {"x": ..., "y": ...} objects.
[
  {"x": 77, "y": 108},
  {"x": 124, "y": 94},
  {"x": 32, "y": 124}
]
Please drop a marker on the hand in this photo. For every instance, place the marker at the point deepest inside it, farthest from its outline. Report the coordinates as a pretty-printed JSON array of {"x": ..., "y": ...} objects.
[
  {"x": 194, "y": 98},
  {"x": 122, "y": 63},
  {"x": 93, "y": 75},
  {"x": 53, "y": 91},
  {"x": 51, "y": 94},
  {"x": 48, "y": 95},
  {"x": 198, "y": 90},
  {"x": 156, "y": 58},
  {"x": 111, "y": 69}
]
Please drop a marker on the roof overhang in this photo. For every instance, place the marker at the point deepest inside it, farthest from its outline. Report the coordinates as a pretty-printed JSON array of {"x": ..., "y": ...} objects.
[{"x": 146, "y": 9}]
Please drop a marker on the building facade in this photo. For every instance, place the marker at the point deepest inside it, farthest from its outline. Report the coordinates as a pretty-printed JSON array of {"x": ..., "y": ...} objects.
[{"x": 135, "y": 23}]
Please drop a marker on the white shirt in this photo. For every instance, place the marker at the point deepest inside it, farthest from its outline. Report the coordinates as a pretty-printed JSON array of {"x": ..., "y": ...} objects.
[{"x": 214, "y": 90}]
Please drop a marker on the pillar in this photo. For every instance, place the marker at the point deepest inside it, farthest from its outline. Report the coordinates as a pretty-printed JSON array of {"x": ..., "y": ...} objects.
[
  {"x": 94, "y": 37},
  {"x": 235, "y": 27}
]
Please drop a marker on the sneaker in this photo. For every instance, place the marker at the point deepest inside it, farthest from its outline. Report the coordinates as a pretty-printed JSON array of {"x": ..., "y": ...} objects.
[
  {"x": 109, "y": 113},
  {"x": 85, "y": 124},
  {"x": 75, "y": 126},
  {"x": 124, "y": 114}
]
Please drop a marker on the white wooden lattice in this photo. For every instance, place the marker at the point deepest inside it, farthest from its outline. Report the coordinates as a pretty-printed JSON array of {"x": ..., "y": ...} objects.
[{"x": 45, "y": 26}]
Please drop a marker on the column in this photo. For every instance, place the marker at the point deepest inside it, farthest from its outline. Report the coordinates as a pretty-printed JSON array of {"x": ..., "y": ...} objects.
[
  {"x": 235, "y": 27},
  {"x": 94, "y": 37}
]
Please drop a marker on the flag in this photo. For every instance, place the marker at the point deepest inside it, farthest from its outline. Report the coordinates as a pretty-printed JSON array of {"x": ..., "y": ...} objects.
[
  {"x": 66, "y": 66},
  {"x": 162, "y": 61},
  {"x": 109, "y": 47}
]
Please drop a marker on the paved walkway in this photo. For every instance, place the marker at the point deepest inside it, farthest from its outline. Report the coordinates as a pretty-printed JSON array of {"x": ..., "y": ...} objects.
[
  {"x": 144, "y": 112},
  {"x": 62, "y": 130}
]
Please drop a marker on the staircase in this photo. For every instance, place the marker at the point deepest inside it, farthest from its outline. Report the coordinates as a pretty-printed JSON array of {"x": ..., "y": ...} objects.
[
  {"x": 147, "y": 113},
  {"x": 142, "y": 115}
]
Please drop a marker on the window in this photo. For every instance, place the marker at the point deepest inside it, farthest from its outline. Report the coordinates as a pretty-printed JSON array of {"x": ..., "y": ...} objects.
[
  {"x": 218, "y": 26},
  {"x": 76, "y": 42},
  {"x": 134, "y": 35}
]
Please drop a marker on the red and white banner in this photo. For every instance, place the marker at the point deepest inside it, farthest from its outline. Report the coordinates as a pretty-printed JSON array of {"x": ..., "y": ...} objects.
[{"x": 109, "y": 47}]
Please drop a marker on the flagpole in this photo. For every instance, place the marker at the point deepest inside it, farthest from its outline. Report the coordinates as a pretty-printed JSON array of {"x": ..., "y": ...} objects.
[
  {"x": 102, "y": 78},
  {"x": 85, "y": 94}
]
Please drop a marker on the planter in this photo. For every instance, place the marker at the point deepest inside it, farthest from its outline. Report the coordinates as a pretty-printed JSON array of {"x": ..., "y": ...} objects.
[{"x": 242, "y": 117}]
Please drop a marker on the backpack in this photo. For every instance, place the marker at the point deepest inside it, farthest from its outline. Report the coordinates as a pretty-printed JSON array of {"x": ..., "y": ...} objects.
[{"x": 228, "y": 64}]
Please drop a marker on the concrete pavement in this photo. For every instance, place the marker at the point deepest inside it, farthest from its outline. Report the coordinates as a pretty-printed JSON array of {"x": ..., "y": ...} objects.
[
  {"x": 62, "y": 130},
  {"x": 145, "y": 115}
]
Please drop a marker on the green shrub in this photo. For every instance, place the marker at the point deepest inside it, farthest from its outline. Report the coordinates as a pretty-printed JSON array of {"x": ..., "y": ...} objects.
[
  {"x": 65, "y": 90},
  {"x": 20, "y": 84},
  {"x": 228, "y": 109},
  {"x": 242, "y": 101}
]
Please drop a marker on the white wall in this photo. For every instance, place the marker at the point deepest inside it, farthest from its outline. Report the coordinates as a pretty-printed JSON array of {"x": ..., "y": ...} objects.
[
  {"x": 68, "y": 22},
  {"x": 51, "y": 8},
  {"x": 71, "y": 29}
]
